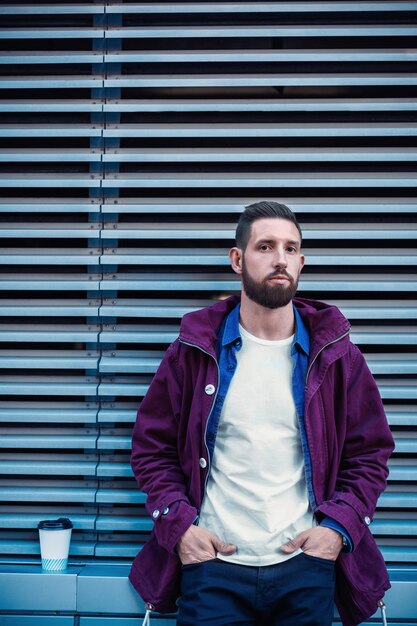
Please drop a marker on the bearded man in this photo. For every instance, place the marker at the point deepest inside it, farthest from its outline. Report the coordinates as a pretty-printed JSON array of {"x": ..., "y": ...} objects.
[{"x": 262, "y": 446}]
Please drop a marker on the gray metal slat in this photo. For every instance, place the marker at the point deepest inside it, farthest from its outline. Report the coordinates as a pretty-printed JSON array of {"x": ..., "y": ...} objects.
[
  {"x": 48, "y": 230},
  {"x": 259, "y": 7},
  {"x": 48, "y": 205},
  {"x": 258, "y": 55},
  {"x": 195, "y": 231},
  {"x": 258, "y": 155},
  {"x": 46, "y": 155},
  {"x": 230, "y": 205},
  {"x": 47, "y": 413},
  {"x": 50, "y": 180},
  {"x": 49, "y": 82},
  {"x": 51, "y": 130},
  {"x": 343, "y": 129},
  {"x": 48, "y": 468},
  {"x": 49, "y": 308},
  {"x": 52, "y": 9},
  {"x": 288, "y": 180},
  {"x": 259, "y": 104},
  {"x": 186, "y": 256},
  {"x": 52, "y": 33},
  {"x": 49, "y": 359},
  {"x": 367, "y": 79},
  {"x": 43, "y": 257},
  {"x": 227, "y": 285},
  {"x": 51, "y": 282},
  {"x": 49, "y": 333},
  {"x": 22, "y": 519},
  {"x": 53, "y": 105},
  {"x": 177, "y": 32},
  {"x": 50, "y": 58}
]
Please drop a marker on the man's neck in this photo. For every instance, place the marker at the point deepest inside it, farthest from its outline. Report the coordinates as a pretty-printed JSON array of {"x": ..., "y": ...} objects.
[{"x": 271, "y": 324}]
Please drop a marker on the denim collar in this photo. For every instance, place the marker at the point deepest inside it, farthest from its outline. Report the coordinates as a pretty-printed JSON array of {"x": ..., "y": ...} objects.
[{"x": 231, "y": 330}]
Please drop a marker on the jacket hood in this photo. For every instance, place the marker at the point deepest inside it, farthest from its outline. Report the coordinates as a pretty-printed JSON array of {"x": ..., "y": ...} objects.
[{"x": 324, "y": 321}]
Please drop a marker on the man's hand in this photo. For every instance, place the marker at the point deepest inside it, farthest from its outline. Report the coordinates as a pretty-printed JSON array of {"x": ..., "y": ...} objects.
[
  {"x": 198, "y": 544},
  {"x": 320, "y": 541}
]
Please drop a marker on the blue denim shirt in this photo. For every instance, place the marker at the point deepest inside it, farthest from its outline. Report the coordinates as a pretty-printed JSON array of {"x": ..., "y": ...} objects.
[{"x": 229, "y": 343}]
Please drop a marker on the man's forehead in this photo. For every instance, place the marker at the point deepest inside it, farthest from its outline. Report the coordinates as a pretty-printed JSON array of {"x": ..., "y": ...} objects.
[{"x": 274, "y": 228}]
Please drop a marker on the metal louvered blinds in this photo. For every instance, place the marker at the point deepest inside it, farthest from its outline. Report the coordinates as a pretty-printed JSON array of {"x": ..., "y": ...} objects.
[{"x": 131, "y": 137}]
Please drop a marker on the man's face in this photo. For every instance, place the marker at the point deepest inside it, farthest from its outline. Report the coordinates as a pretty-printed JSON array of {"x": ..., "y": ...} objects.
[{"x": 272, "y": 262}]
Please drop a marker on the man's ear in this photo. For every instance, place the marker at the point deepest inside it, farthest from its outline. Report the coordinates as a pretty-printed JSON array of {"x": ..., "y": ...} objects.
[
  {"x": 302, "y": 262},
  {"x": 235, "y": 256}
]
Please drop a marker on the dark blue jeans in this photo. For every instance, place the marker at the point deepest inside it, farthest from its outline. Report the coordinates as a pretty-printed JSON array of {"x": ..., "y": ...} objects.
[{"x": 298, "y": 592}]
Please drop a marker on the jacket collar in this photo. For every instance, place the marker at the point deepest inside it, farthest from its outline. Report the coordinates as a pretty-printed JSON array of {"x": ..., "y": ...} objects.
[
  {"x": 231, "y": 330},
  {"x": 323, "y": 323}
]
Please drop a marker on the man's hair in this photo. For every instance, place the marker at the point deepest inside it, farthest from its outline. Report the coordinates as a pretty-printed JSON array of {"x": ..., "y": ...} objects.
[{"x": 257, "y": 211}]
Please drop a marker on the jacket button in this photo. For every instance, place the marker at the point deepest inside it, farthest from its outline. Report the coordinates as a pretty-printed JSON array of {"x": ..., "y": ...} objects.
[
  {"x": 155, "y": 514},
  {"x": 203, "y": 463},
  {"x": 367, "y": 520},
  {"x": 210, "y": 389},
  {"x": 165, "y": 511}
]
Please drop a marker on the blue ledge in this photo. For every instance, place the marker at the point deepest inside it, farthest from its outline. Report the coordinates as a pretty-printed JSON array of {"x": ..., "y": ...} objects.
[{"x": 86, "y": 590}]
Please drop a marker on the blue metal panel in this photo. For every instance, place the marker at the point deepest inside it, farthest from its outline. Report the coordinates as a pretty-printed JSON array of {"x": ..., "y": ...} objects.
[{"x": 25, "y": 590}]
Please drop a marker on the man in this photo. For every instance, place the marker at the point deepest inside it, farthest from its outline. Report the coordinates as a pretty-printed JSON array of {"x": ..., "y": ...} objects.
[{"x": 262, "y": 446}]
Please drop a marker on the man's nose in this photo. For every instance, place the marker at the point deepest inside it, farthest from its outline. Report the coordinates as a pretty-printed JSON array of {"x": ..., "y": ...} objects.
[{"x": 280, "y": 258}]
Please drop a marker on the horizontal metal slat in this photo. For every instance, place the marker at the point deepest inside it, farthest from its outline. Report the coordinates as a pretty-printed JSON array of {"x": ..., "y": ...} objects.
[
  {"x": 49, "y": 58},
  {"x": 259, "y": 7},
  {"x": 110, "y": 523},
  {"x": 53, "y": 9},
  {"x": 52, "y": 33},
  {"x": 50, "y": 180},
  {"x": 288, "y": 180},
  {"x": 54, "y": 105},
  {"x": 30, "y": 387},
  {"x": 51, "y": 282},
  {"x": 48, "y": 359},
  {"x": 62, "y": 413},
  {"x": 50, "y": 82},
  {"x": 232, "y": 56},
  {"x": 216, "y": 232},
  {"x": 186, "y": 256},
  {"x": 258, "y": 104},
  {"x": 48, "y": 468},
  {"x": 46, "y": 231},
  {"x": 39, "y": 155},
  {"x": 52, "y": 333},
  {"x": 367, "y": 79},
  {"x": 23, "y": 520},
  {"x": 235, "y": 205},
  {"x": 49, "y": 308},
  {"x": 222, "y": 284},
  {"x": 206, "y": 32},
  {"x": 51, "y": 130},
  {"x": 24, "y": 546},
  {"x": 47, "y": 494},
  {"x": 48, "y": 205},
  {"x": 55, "y": 441},
  {"x": 258, "y": 155},
  {"x": 342, "y": 129},
  {"x": 49, "y": 257}
]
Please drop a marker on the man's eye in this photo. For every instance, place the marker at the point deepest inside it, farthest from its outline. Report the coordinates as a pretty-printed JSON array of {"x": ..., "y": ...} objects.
[
  {"x": 292, "y": 249},
  {"x": 264, "y": 247}
]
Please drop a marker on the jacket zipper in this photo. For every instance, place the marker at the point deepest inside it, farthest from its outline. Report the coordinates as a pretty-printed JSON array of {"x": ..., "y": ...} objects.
[
  {"x": 307, "y": 375},
  {"x": 193, "y": 345},
  {"x": 323, "y": 348}
]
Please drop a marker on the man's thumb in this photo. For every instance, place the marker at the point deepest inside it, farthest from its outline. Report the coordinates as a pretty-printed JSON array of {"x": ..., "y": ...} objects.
[
  {"x": 291, "y": 546},
  {"x": 223, "y": 547}
]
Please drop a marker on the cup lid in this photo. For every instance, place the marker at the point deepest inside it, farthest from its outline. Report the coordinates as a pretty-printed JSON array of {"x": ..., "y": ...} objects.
[{"x": 55, "y": 524}]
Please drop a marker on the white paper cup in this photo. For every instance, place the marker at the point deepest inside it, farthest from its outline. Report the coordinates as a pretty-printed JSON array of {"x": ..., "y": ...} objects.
[{"x": 55, "y": 537}]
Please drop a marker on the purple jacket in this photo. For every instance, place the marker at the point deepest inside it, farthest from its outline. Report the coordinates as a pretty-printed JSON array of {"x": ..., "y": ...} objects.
[{"x": 347, "y": 432}]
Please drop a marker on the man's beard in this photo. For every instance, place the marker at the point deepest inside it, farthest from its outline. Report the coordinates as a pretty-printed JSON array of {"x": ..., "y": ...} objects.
[{"x": 269, "y": 295}]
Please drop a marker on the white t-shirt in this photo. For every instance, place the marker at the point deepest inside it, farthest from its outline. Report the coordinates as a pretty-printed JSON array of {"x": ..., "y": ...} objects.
[{"x": 256, "y": 496}]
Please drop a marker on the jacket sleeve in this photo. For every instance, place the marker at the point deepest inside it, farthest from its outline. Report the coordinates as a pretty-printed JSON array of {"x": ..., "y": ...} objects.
[
  {"x": 368, "y": 444},
  {"x": 154, "y": 458}
]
